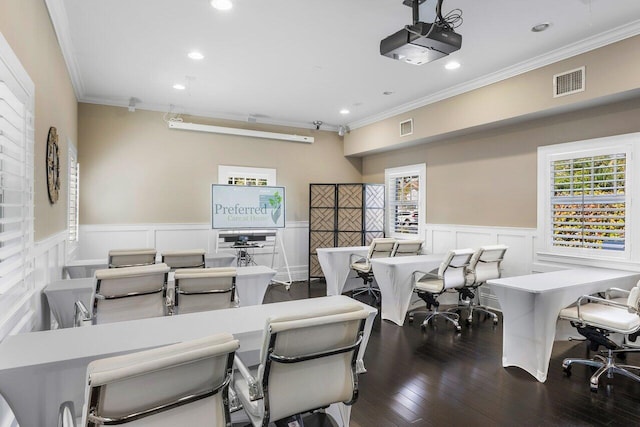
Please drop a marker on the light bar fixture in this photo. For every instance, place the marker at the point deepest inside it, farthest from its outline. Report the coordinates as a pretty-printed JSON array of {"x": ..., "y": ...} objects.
[{"x": 240, "y": 132}]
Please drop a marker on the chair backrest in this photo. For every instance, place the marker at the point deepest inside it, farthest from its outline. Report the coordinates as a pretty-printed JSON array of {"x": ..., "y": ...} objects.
[
  {"x": 454, "y": 268},
  {"x": 407, "y": 248},
  {"x": 131, "y": 257},
  {"x": 192, "y": 258},
  {"x": 381, "y": 247},
  {"x": 202, "y": 289},
  {"x": 308, "y": 361},
  {"x": 634, "y": 297},
  {"x": 485, "y": 264},
  {"x": 150, "y": 381},
  {"x": 130, "y": 293}
]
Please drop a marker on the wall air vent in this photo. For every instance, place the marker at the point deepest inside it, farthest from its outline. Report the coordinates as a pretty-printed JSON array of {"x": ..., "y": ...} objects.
[
  {"x": 568, "y": 82},
  {"x": 406, "y": 127}
]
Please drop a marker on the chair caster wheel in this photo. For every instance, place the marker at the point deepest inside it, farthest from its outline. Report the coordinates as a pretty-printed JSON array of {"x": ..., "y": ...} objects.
[
  {"x": 567, "y": 370},
  {"x": 593, "y": 389},
  {"x": 423, "y": 327},
  {"x": 410, "y": 320},
  {"x": 468, "y": 322},
  {"x": 495, "y": 321},
  {"x": 458, "y": 328}
]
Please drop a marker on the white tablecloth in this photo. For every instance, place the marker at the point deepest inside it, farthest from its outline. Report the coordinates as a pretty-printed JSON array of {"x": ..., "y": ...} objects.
[
  {"x": 82, "y": 268},
  {"x": 336, "y": 268},
  {"x": 251, "y": 285},
  {"x": 530, "y": 306},
  {"x": 41, "y": 370},
  {"x": 63, "y": 294},
  {"x": 394, "y": 279}
]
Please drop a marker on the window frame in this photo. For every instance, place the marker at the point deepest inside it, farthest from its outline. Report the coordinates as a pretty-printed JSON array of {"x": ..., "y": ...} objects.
[
  {"x": 627, "y": 144},
  {"x": 225, "y": 172},
  {"x": 75, "y": 221},
  {"x": 405, "y": 171}
]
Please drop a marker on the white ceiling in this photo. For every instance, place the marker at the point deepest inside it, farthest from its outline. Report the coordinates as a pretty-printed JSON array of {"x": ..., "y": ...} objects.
[{"x": 296, "y": 61}]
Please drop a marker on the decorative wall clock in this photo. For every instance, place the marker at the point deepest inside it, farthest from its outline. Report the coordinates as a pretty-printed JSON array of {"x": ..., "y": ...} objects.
[{"x": 53, "y": 165}]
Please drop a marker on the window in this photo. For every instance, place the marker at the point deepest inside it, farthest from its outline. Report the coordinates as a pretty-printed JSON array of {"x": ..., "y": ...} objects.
[
  {"x": 74, "y": 193},
  {"x": 16, "y": 182},
  {"x": 239, "y": 175},
  {"x": 406, "y": 200},
  {"x": 584, "y": 197}
]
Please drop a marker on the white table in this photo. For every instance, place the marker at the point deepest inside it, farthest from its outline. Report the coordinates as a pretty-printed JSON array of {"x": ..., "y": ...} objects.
[
  {"x": 530, "y": 306},
  {"x": 336, "y": 267},
  {"x": 251, "y": 285},
  {"x": 41, "y": 370},
  {"x": 394, "y": 279},
  {"x": 82, "y": 268}
]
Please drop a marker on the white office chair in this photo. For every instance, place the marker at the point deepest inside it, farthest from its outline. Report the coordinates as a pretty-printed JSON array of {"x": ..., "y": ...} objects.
[
  {"x": 430, "y": 285},
  {"x": 379, "y": 248},
  {"x": 485, "y": 265},
  {"x": 126, "y": 293},
  {"x": 202, "y": 289},
  {"x": 596, "y": 318},
  {"x": 131, "y": 257},
  {"x": 184, "y": 384},
  {"x": 307, "y": 362},
  {"x": 191, "y": 258},
  {"x": 407, "y": 248}
]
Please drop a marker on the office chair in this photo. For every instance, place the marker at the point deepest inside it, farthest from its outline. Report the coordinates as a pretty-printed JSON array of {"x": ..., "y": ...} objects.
[
  {"x": 126, "y": 293},
  {"x": 131, "y": 257},
  {"x": 484, "y": 265},
  {"x": 307, "y": 362},
  {"x": 202, "y": 289},
  {"x": 407, "y": 248},
  {"x": 430, "y": 285},
  {"x": 596, "y": 318},
  {"x": 191, "y": 258},
  {"x": 379, "y": 248},
  {"x": 184, "y": 384}
]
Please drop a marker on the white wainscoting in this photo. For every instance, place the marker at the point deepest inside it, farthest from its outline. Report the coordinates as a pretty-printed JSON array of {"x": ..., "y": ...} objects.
[
  {"x": 518, "y": 260},
  {"x": 28, "y": 315},
  {"x": 97, "y": 240}
]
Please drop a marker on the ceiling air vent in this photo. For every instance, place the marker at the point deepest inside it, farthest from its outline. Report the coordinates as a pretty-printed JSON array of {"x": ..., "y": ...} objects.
[
  {"x": 568, "y": 82},
  {"x": 406, "y": 127}
]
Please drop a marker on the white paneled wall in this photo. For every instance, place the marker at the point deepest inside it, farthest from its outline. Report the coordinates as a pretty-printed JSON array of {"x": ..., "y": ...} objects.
[
  {"x": 97, "y": 240},
  {"x": 518, "y": 259}
]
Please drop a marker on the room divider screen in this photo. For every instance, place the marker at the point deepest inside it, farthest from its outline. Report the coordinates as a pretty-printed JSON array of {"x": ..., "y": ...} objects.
[{"x": 343, "y": 215}]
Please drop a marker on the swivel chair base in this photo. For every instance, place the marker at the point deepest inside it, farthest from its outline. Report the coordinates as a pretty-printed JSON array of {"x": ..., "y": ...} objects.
[
  {"x": 430, "y": 301},
  {"x": 605, "y": 365},
  {"x": 471, "y": 302},
  {"x": 367, "y": 288}
]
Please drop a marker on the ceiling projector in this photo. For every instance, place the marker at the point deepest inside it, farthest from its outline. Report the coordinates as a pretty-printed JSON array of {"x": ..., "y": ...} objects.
[
  {"x": 422, "y": 42},
  {"x": 419, "y": 43}
]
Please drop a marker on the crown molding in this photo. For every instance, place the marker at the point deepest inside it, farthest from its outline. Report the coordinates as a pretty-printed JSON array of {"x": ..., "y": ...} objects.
[
  {"x": 58, "y": 16},
  {"x": 583, "y": 46}
]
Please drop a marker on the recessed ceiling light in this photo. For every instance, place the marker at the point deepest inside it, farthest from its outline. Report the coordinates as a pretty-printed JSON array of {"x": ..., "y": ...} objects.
[
  {"x": 178, "y": 86},
  {"x": 452, "y": 65},
  {"x": 344, "y": 111},
  {"x": 195, "y": 55},
  {"x": 540, "y": 27},
  {"x": 222, "y": 4}
]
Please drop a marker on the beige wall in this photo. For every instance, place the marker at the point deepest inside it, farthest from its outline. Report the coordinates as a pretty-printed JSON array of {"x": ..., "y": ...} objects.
[
  {"x": 610, "y": 71},
  {"x": 26, "y": 26},
  {"x": 489, "y": 177},
  {"x": 134, "y": 169}
]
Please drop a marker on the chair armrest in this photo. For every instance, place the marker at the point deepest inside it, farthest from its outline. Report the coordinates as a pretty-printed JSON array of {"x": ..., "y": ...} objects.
[
  {"x": 356, "y": 258},
  {"x": 422, "y": 274},
  {"x": 170, "y": 301},
  {"x": 591, "y": 298},
  {"x": 255, "y": 390},
  {"x": 608, "y": 292},
  {"x": 80, "y": 314}
]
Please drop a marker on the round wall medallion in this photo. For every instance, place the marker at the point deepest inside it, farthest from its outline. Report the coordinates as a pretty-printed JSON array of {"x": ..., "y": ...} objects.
[{"x": 53, "y": 165}]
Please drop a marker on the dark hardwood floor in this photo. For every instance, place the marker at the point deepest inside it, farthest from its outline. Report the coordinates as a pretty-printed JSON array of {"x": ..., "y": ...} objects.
[{"x": 439, "y": 378}]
